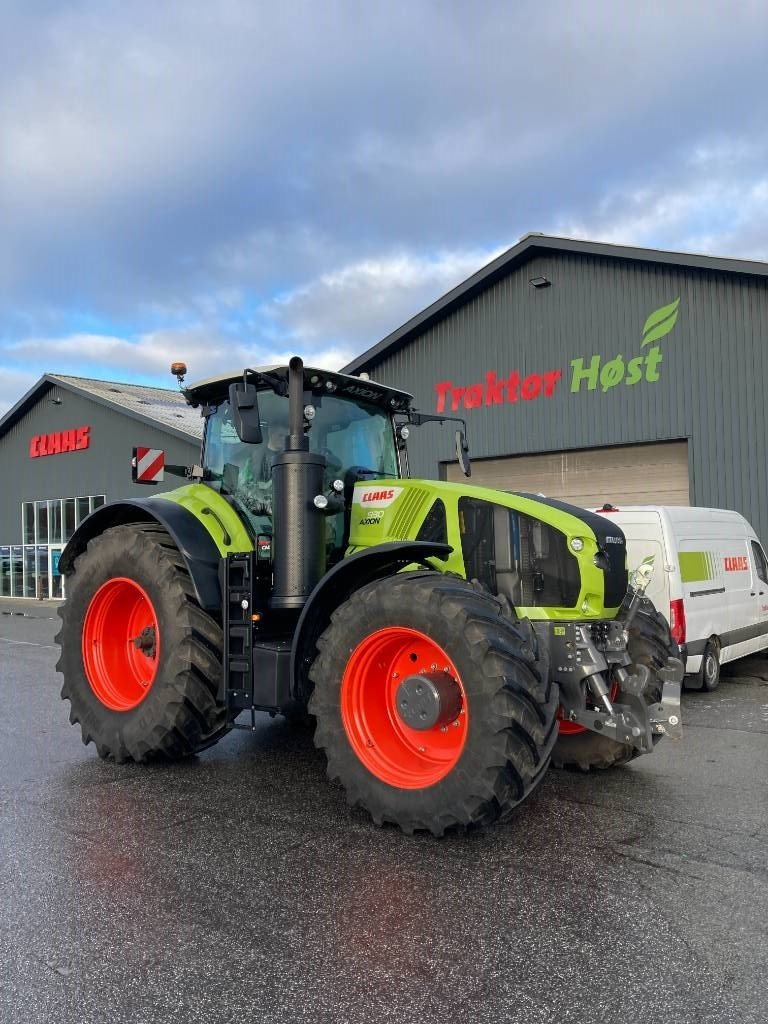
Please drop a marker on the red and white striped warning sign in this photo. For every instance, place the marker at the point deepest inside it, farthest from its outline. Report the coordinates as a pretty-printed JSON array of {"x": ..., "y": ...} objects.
[{"x": 148, "y": 465}]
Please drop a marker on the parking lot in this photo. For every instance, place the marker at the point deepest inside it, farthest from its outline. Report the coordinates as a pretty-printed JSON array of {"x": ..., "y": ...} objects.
[{"x": 240, "y": 887}]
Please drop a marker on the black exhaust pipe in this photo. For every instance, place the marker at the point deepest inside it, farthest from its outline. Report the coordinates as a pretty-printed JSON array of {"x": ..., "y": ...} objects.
[
  {"x": 297, "y": 441},
  {"x": 298, "y": 527}
]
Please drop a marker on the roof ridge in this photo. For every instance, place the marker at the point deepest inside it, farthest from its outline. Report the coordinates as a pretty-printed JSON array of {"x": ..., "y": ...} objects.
[{"x": 120, "y": 383}]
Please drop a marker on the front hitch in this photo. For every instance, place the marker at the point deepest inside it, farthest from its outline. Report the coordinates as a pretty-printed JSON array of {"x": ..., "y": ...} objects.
[
  {"x": 665, "y": 716},
  {"x": 634, "y": 722}
]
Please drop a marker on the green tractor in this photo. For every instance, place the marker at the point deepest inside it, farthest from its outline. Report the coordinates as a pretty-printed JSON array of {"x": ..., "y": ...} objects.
[{"x": 450, "y": 641}]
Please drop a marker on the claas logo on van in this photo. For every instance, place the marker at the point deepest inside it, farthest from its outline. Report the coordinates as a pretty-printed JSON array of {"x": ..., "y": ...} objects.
[{"x": 736, "y": 563}]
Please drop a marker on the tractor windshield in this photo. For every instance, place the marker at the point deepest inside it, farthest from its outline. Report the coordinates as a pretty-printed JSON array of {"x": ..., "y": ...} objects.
[{"x": 348, "y": 433}]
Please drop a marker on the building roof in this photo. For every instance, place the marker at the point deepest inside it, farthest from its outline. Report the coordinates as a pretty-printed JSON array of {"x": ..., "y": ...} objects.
[
  {"x": 159, "y": 407},
  {"x": 529, "y": 247}
]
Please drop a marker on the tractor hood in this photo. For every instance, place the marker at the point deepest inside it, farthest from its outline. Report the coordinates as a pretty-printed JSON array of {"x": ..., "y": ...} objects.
[{"x": 549, "y": 558}]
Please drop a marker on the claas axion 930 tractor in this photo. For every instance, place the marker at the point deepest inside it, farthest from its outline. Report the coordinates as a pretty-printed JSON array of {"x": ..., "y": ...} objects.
[{"x": 450, "y": 641}]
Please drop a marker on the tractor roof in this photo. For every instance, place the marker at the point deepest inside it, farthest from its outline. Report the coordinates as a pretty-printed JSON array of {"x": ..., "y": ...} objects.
[{"x": 315, "y": 380}]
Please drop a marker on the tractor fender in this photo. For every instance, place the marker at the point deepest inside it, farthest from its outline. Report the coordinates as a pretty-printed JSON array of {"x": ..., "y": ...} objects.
[
  {"x": 195, "y": 544},
  {"x": 333, "y": 589}
]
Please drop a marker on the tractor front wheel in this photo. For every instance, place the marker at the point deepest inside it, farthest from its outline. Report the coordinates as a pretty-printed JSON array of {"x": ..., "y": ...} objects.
[
  {"x": 432, "y": 707},
  {"x": 141, "y": 660}
]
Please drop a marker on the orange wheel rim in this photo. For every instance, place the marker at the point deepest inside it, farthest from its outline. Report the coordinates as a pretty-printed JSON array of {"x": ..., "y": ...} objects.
[
  {"x": 121, "y": 644},
  {"x": 401, "y": 756}
]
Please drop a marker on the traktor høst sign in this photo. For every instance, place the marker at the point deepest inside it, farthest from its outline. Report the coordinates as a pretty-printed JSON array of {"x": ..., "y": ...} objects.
[{"x": 589, "y": 374}]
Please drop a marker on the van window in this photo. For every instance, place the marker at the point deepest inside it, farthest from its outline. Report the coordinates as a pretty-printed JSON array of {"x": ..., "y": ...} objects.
[{"x": 760, "y": 563}]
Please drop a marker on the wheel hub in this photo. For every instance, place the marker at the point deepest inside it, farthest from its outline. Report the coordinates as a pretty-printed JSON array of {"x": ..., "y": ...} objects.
[
  {"x": 428, "y": 700},
  {"x": 146, "y": 642}
]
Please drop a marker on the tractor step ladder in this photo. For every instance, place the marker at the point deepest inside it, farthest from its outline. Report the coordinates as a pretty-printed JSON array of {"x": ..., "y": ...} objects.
[{"x": 237, "y": 678}]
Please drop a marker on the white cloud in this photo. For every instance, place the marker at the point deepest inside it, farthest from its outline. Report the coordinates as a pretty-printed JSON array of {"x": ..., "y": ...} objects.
[
  {"x": 327, "y": 321},
  {"x": 13, "y": 384},
  {"x": 189, "y": 177},
  {"x": 148, "y": 357},
  {"x": 718, "y": 207},
  {"x": 155, "y": 153},
  {"x": 361, "y": 302}
]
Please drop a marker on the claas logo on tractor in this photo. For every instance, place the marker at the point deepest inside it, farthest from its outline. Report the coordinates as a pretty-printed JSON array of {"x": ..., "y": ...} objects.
[{"x": 259, "y": 586}]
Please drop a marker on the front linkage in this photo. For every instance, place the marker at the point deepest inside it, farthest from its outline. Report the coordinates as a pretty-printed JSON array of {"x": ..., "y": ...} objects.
[{"x": 591, "y": 660}]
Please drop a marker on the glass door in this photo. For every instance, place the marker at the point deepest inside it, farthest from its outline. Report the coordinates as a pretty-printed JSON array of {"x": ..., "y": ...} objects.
[{"x": 56, "y": 588}]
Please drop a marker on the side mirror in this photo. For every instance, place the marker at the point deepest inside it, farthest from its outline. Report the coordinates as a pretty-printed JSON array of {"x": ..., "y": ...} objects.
[
  {"x": 243, "y": 398},
  {"x": 462, "y": 453}
]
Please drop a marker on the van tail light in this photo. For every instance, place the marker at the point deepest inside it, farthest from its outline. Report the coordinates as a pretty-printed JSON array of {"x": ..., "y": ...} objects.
[{"x": 677, "y": 621}]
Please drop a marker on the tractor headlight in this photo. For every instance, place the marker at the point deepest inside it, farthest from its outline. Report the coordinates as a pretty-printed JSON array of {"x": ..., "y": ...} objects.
[{"x": 577, "y": 544}]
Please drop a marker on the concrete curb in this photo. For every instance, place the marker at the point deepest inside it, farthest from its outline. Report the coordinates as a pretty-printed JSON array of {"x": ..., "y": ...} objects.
[{"x": 29, "y": 608}]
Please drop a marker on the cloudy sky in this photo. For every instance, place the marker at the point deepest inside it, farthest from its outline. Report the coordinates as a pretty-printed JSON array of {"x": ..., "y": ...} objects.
[{"x": 235, "y": 181}]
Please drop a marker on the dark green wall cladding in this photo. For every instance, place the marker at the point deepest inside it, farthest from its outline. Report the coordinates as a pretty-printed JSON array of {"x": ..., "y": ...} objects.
[{"x": 712, "y": 374}]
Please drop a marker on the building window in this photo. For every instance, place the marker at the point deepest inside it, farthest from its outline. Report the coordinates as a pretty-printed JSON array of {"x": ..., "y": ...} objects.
[
  {"x": 31, "y": 569},
  {"x": 17, "y": 571},
  {"x": 54, "y": 522},
  {"x": 41, "y": 510},
  {"x": 57, "y": 580},
  {"x": 28, "y": 522},
  {"x": 30, "y": 572},
  {"x": 5, "y": 571},
  {"x": 69, "y": 518}
]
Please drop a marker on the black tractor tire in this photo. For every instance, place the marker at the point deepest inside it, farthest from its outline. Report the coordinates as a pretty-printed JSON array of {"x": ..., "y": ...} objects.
[
  {"x": 506, "y": 724},
  {"x": 179, "y": 714},
  {"x": 650, "y": 644}
]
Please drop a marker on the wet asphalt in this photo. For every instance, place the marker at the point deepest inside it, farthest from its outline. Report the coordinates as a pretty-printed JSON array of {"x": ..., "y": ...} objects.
[{"x": 239, "y": 886}]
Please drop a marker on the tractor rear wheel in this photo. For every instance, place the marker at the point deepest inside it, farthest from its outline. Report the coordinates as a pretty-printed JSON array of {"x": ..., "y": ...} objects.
[
  {"x": 650, "y": 644},
  {"x": 141, "y": 660},
  {"x": 432, "y": 707}
]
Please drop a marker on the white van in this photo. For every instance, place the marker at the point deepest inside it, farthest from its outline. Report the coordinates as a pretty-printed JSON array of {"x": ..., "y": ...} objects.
[{"x": 710, "y": 579}]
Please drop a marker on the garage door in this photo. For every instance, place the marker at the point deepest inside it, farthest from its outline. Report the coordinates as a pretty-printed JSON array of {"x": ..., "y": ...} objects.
[{"x": 645, "y": 474}]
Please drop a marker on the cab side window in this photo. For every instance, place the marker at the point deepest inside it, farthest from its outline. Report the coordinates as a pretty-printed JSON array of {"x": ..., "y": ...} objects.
[{"x": 760, "y": 563}]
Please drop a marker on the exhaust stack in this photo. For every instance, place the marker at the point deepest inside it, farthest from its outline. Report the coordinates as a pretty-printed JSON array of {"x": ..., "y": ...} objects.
[{"x": 298, "y": 526}]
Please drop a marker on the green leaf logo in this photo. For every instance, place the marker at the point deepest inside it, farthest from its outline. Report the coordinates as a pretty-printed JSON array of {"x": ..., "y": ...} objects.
[{"x": 660, "y": 322}]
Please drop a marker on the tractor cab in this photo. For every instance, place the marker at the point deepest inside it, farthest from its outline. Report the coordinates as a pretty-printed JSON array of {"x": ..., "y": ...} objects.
[{"x": 347, "y": 421}]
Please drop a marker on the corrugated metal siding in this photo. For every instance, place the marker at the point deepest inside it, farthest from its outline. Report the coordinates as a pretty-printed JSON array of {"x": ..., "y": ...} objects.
[
  {"x": 711, "y": 377},
  {"x": 620, "y": 475},
  {"x": 103, "y": 468}
]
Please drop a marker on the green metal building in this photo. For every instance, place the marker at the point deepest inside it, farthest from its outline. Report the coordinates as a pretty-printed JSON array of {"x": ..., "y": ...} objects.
[
  {"x": 596, "y": 373},
  {"x": 66, "y": 448}
]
